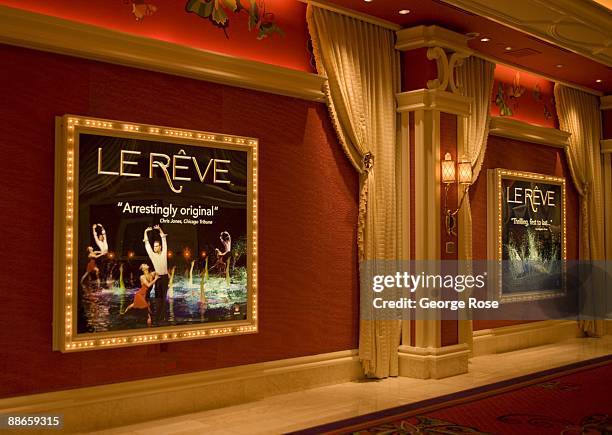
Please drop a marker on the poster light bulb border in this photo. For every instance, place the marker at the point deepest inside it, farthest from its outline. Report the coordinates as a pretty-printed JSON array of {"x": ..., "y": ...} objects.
[{"x": 65, "y": 336}]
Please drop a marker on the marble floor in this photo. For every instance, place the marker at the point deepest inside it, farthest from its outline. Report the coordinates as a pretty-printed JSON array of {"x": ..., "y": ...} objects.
[{"x": 300, "y": 410}]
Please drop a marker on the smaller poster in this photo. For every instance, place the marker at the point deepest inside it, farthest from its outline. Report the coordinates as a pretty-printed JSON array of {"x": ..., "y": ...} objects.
[{"x": 527, "y": 234}]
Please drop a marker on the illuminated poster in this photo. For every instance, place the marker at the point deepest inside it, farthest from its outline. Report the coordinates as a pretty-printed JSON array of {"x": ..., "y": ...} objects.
[
  {"x": 158, "y": 234},
  {"x": 528, "y": 223}
]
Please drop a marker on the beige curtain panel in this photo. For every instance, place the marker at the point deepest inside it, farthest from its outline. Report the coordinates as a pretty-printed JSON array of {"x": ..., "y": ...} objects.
[
  {"x": 579, "y": 115},
  {"x": 475, "y": 78},
  {"x": 362, "y": 68}
]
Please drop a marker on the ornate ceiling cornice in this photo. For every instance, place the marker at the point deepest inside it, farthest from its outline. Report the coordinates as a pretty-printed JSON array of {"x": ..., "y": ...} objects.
[{"x": 579, "y": 26}]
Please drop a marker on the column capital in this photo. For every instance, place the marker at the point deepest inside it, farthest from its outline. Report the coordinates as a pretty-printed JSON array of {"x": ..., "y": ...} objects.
[{"x": 433, "y": 99}]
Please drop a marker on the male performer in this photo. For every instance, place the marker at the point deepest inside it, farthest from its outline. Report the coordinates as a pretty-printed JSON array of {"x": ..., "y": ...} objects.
[{"x": 159, "y": 258}]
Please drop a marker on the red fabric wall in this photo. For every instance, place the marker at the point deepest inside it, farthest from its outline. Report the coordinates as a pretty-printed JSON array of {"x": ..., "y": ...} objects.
[
  {"x": 308, "y": 285},
  {"x": 516, "y": 155},
  {"x": 449, "y": 329}
]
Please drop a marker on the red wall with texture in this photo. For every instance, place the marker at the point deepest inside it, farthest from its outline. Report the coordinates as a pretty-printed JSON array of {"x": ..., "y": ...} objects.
[{"x": 308, "y": 285}]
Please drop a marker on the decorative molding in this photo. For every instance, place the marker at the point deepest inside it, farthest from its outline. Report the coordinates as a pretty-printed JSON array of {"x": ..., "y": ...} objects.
[
  {"x": 523, "y": 131},
  {"x": 606, "y": 146},
  {"x": 579, "y": 26},
  {"x": 509, "y": 338},
  {"x": 605, "y": 102},
  {"x": 436, "y": 363},
  {"x": 323, "y": 4},
  {"x": 88, "y": 409},
  {"x": 446, "y": 69},
  {"x": 431, "y": 36},
  {"x": 433, "y": 99},
  {"x": 46, "y": 33}
]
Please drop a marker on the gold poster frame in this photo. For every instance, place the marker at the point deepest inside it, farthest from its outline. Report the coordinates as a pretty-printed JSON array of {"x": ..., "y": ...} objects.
[
  {"x": 495, "y": 232},
  {"x": 65, "y": 281}
]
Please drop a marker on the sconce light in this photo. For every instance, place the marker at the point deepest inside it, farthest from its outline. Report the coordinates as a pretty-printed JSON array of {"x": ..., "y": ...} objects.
[
  {"x": 449, "y": 176},
  {"x": 448, "y": 170}
]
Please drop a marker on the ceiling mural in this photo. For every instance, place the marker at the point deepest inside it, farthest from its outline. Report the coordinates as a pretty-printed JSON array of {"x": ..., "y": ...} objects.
[
  {"x": 218, "y": 13},
  {"x": 522, "y": 96}
]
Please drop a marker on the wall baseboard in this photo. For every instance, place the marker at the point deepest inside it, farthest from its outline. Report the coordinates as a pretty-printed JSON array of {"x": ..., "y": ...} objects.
[
  {"x": 509, "y": 338},
  {"x": 101, "y": 407},
  {"x": 434, "y": 363}
]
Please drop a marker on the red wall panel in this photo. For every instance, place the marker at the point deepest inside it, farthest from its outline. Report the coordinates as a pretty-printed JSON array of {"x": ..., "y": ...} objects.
[
  {"x": 308, "y": 282},
  {"x": 449, "y": 329},
  {"x": 516, "y": 155}
]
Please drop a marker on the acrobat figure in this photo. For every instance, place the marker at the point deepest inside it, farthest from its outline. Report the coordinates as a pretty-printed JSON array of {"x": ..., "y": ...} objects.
[
  {"x": 147, "y": 280},
  {"x": 102, "y": 242},
  {"x": 159, "y": 257},
  {"x": 100, "y": 238},
  {"x": 222, "y": 256},
  {"x": 92, "y": 267}
]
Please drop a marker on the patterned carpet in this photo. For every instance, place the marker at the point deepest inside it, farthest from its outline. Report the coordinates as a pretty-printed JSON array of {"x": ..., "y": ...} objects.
[{"x": 575, "y": 399}]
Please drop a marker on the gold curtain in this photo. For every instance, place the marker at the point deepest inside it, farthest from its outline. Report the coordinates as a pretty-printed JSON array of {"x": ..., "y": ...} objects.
[
  {"x": 579, "y": 115},
  {"x": 362, "y": 68},
  {"x": 475, "y": 78}
]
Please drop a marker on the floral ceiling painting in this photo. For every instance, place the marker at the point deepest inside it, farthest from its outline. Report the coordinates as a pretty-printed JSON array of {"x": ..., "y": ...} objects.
[
  {"x": 523, "y": 96},
  {"x": 219, "y": 13}
]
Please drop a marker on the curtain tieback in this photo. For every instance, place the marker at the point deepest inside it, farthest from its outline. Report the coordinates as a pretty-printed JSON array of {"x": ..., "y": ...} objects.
[
  {"x": 368, "y": 161},
  {"x": 586, "y": 186}
]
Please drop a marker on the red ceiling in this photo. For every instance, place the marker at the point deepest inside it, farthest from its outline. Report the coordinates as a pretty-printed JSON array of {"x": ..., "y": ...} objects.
[{"x": 576, "y": 69}]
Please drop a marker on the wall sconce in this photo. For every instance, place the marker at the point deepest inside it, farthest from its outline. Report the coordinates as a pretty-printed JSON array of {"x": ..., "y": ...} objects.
[{"x": 449, "y": 176}]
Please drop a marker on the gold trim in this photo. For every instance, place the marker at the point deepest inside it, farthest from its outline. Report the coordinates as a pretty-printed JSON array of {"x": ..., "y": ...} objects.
[
  {"x": 46, "y": 33},
  {"x": 494, "y": 230},
  {"x": 606, "y": 146},
  {"x": 65, "y": 337}
]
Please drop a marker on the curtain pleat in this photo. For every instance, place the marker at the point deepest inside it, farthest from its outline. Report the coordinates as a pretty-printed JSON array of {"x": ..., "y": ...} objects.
[
  {"x": 579, "y": 115},
  {"x": 361, "y": 65}
]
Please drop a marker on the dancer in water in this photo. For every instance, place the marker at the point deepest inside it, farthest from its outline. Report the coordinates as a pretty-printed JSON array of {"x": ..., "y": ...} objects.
[
  {"x": 100, "y": 238},
  {"x": 222, "y": 256},
  {"x": 159, "y": 257},
  {"x": 147, "y": 280},
  {"x": 102, "y": 242},
  {"x": 92, "y": 267}
]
